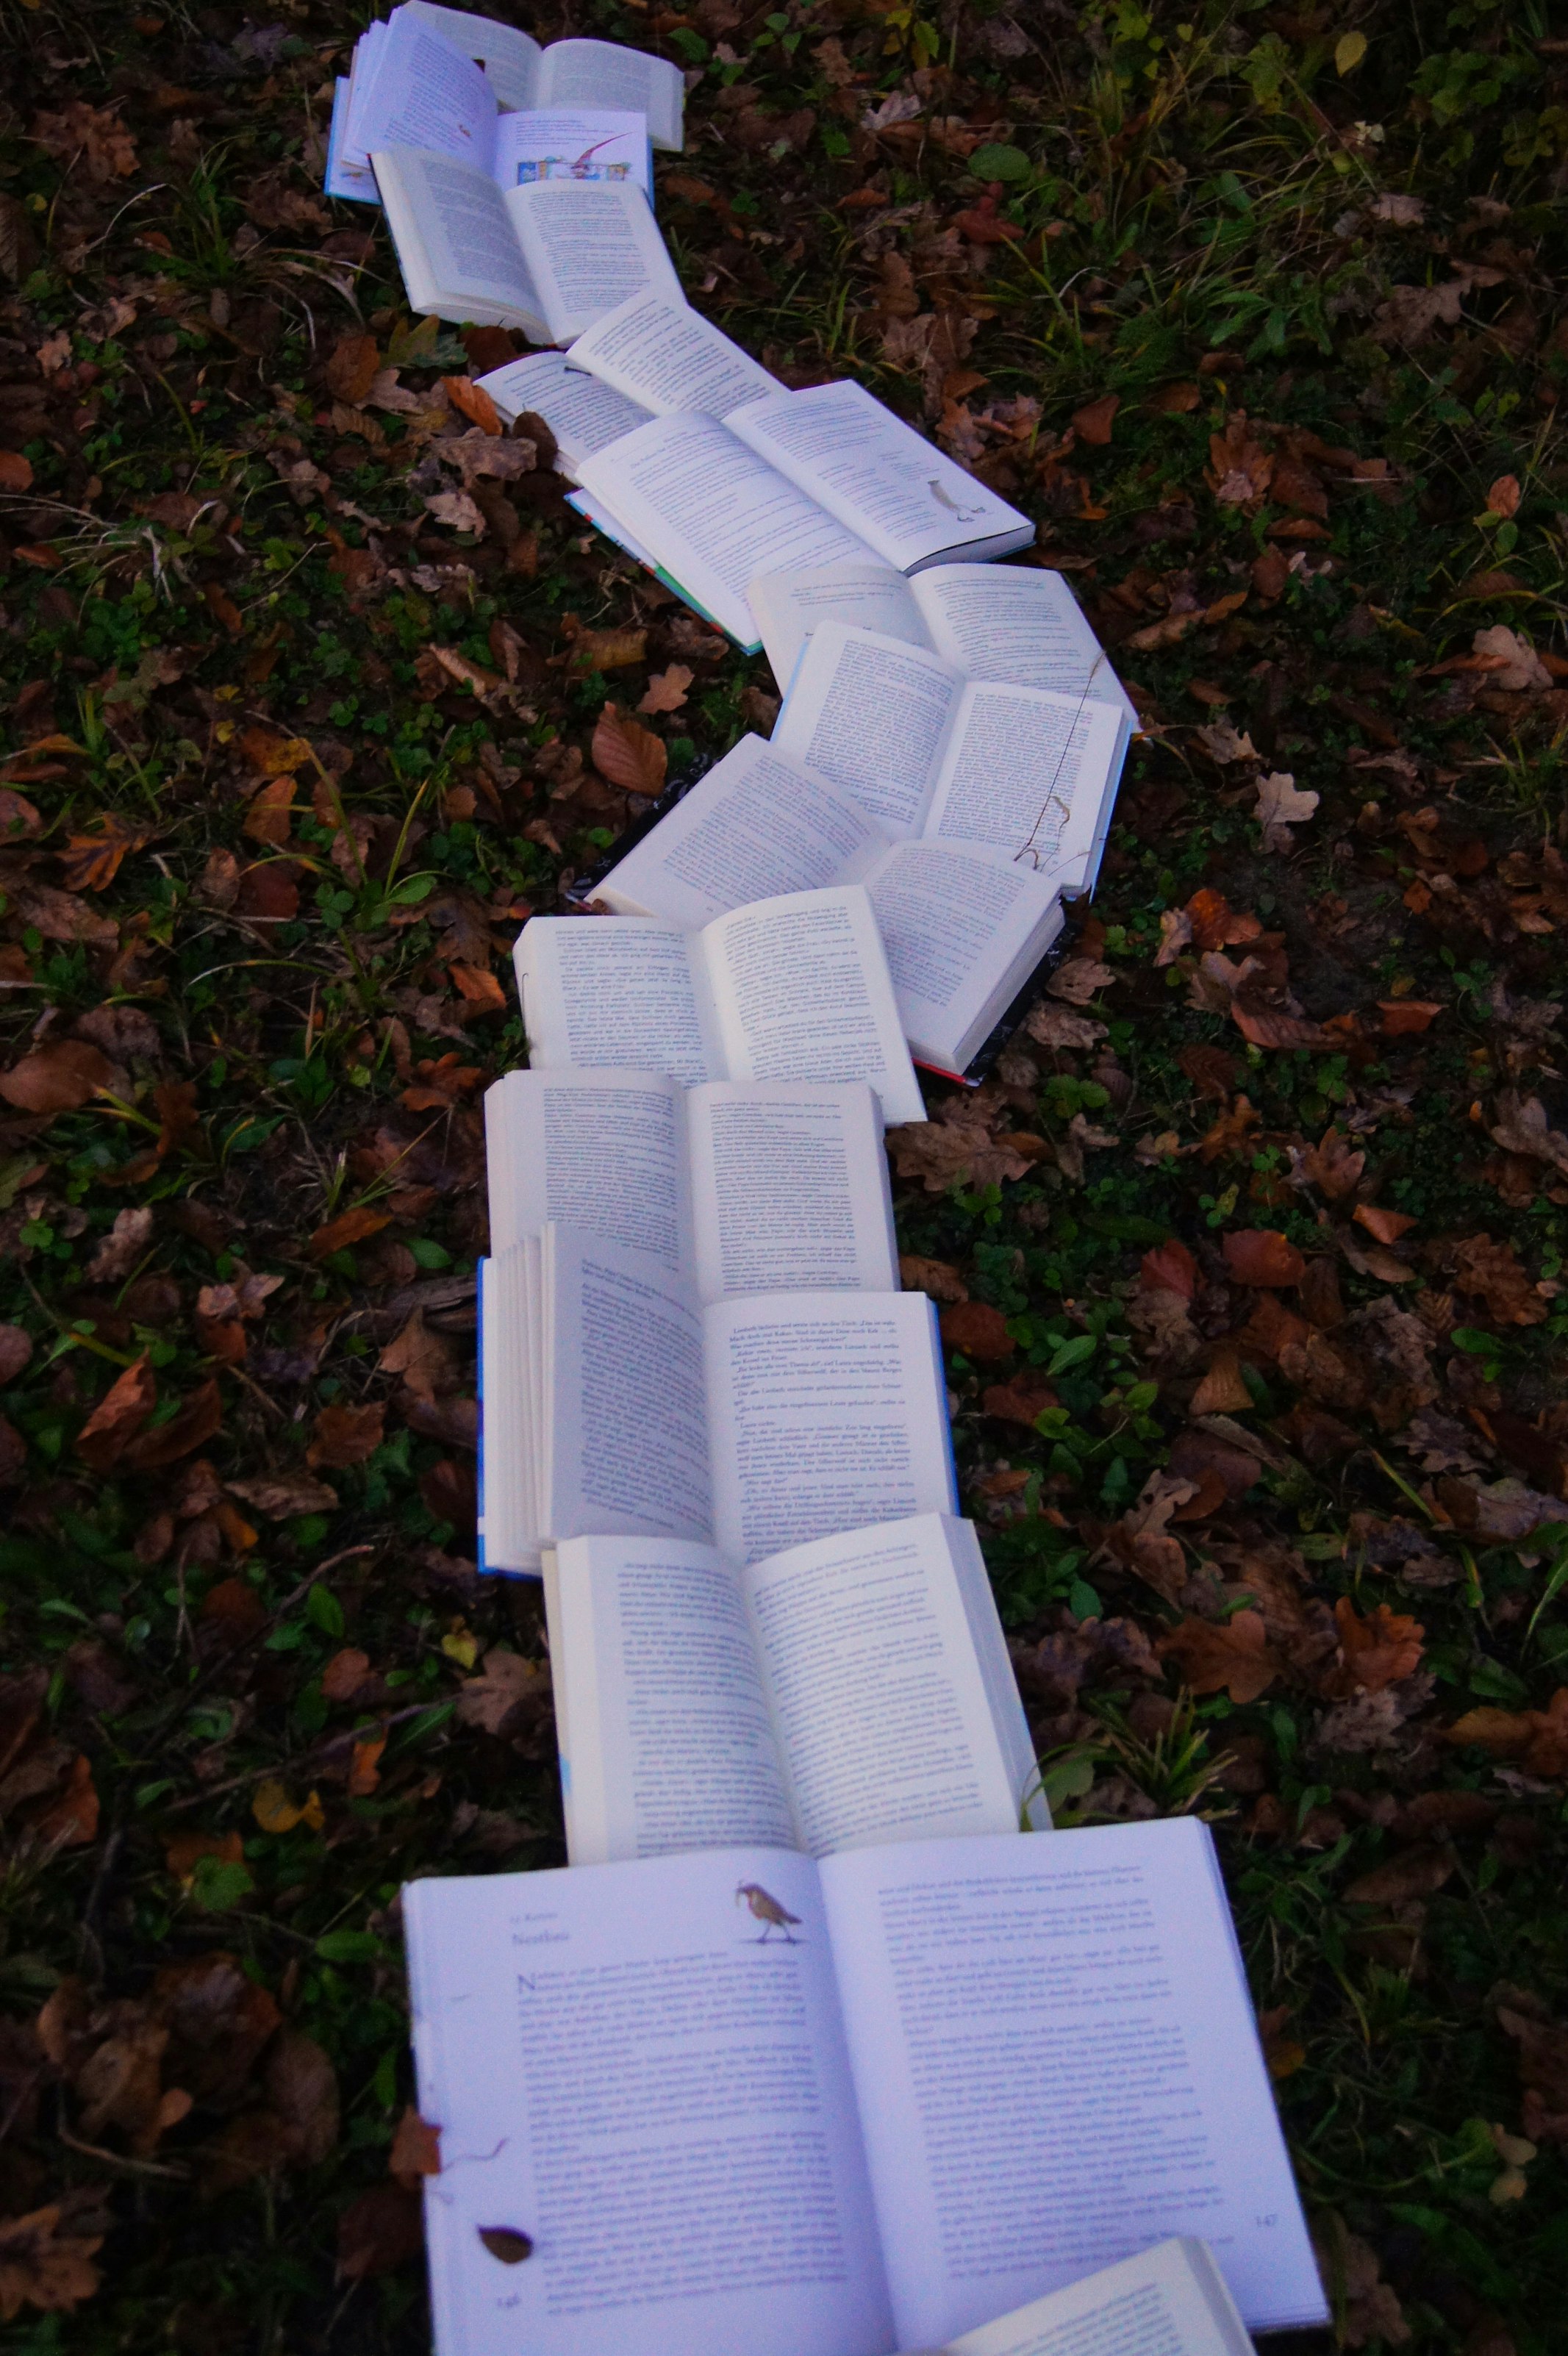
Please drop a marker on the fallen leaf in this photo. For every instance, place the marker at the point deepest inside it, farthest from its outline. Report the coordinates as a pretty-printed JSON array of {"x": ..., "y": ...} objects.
[
  {"x": 425, "y": 1360},
  {"x": 1414, "y": 1873},
  {"x": 628, "y": 756},
  {"x": 352, "y": 367},
  {"x": 118, "y": 1417},
  {"x": 1387, "y": 1226},
  {"x": 1404, "y": 1016},
  {"x": 273, "y": 755},
  {"x": 1094, "y": 420},
  {"x": 416, "y": 2149},
  {"x": 118, "y": 1251},
  {"x": 666, "y": 690},
  {"x": 979, "y": 1330},
  {"x": 480, "y": 988},
  {"x": 269, "y": 817},
  {"x": 1261, "y": 1256},
  {"x": 472, "y": 402},
  {"x": 506, "y": 1684},
  {"x": 284, "y": 1496},
  {"x": 1078, "y": 979},
  {"x": 1222, "y": 1391},
  {"x": 57, "y": 1079},
  {"x": 380, "y": 2231},
  {"x": 1513, "y": 663},
  {"x": 1281, "y": 805},
  {"x": 933, "y": 1277},
  {"x": 364, "y": 1772},
  {"x": 43, "y": 2267},
  {"x": 1169, "y": 1267},
  {"x": 345, "y": 1435},
  {"x": 274, "y": 1812},
  {"x": 1503, "y": 497},
  {"x": 91, "y": 861},
  {"x": 349, "y": 1228},
  {"x": 16, "y": 1351},
  {"x": 1380, "y": 1649},
  {"x": 1235, "y": 1658}
]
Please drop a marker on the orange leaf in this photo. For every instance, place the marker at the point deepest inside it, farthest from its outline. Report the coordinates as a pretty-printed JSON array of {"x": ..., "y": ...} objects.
[
  {"x": 194, "y": 1423},
  {"x": 274, "y": 754},
  {"x": 1092, "y": 423},
  {"x": 352, "y": 369},
  {"x": 224, "y": 609},
  {"x": 1235, "y": 1658},
  {"x": 1261, "y": 1256},
  {"x": 1504, "y": 495},
  {"x": 271, "y": 812},
  {"x": 1222, "y": 1391},
  {"x": 1380, "y": 1649},
  {"x": 364, "y": 1774},
  {"x": 1386, "y": 1225},
  {"x": 345, "y": 1672},
  {"x": 479, "y": 987},
  {"x": 346, "y": 1435},
  {"x": 472, "y": 402},
  {"x": 1402, "y": 1015},
  {"x": 119, "y": 1415},
  {"x": 666, "y": 690},
  {"x": 416, "y": 2149},
  {"x": 56, "y": 1079},
  {"x": 351, "y": 1227},
  {"x": 15, "y": 473},
  {"x": 628, "y": 756},
  {"x": 90, "y": 862},
  {"x": 185, "y": 1851},
  {"x": 71, "y": 1820}
]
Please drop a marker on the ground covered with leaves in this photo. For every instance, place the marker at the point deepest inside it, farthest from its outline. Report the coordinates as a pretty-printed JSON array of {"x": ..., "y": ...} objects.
[{"x": 1249, "y": 1251}]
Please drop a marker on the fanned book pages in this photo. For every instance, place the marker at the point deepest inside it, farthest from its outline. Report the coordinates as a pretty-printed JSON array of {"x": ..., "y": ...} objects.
[
  {"x": 855, "y": 1690},
  {"x": 583, "y": 415},
  {"x": 964, "y": 923},
  {"x": 615, "y": 1404},
  {"x": 742, "y": 2100},
  {"x": 1170, "y": 2300},
  {"x": 547, "y": 256},
  {"x": 738, "y": 1189},
  {"x": 524, "y": 75},
  {"x": 794, "y": 988}
]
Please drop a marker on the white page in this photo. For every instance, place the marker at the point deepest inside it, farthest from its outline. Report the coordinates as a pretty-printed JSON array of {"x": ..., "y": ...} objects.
[
  {"x": 712, "y": 513},
  {"x": 1168, "y": 2301},
  {"x": 756, "y": 826},
  {"x": 1027, "y": 771},
  {"x": 904, "y": 496},
  {"x": 624, "y": 1398},
  {"x": 1056, "y": 2064},
  {"x": 671, "y": 1746},
  {"x": 868, "y": 712},
  {"x": 829, "y": 1412},
  {"x": 616, "y": 990},
  {"x": 604, "y": 73},
  {"x": 626, "y": 2069},
  {"x": 604, "y": 1151},
  {"x": 590, "y": 243},
  {"x": 955, "y": 919},
  {"x": 451, "y": 228},
  {"x": 802, "y": 991},
  {"x": 509, "y": 57},
  {"x": 583, "y": 414},
  {"x": 788, "y": 606},
  {"x": 883, "y": 1717},
  {"x": 348, "y": 175},
  {"x": 790, "y": 1190},
  {"x": 425, "y": 93},
  {"x": 573, "y": 144},
  {"x": 1018, "y": 625},
  {"x": 670, "y": 359},
  {"x": 507, "y": 1530}
]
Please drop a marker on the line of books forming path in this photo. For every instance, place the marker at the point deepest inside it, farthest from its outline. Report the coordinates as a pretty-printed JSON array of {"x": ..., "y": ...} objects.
[{"x": 817, "y": 2047}]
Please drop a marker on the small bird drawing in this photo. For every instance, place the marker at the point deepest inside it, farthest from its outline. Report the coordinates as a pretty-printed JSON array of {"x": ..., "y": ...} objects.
[
  {"x": 964, "y": 514},
  {"x": 768, "y": 1911}
]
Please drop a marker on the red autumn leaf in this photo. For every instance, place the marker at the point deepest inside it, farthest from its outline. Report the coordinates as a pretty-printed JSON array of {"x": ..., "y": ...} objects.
[
  {"x": 16, "y": 472},
  {"x": 1378, "y": 1650},
  {"x": 1261, "y": 1256},
  {"x": 90, "y": 862},
  {"x": 479, "y": 987},
  {"x": 268, "y": 894},
  {"x": 472, "y": 402},
  {"x": 270, "y": 814},
  {"x": 349, "y": 1228},
  {"x": 194, "y": 1422},
  {"x": 978, "y": 1329},
  {"x": 1169, "y": 1267},
  {"x": 1094, "y": 420},
  {"x": 1404, "y": 1015},
  {"x": 628, "y": 756},
  {"x": 1387, "y": 1226},
  {"x": 118, "y": 1417},
  {"x": 56, "y": 1079}
]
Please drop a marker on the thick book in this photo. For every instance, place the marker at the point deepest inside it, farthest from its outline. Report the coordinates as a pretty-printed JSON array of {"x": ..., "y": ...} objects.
[
  {"x": 546, "y": 256},
  {"x": 616, "y": 1404},
  {"x": 1170, "y": 2300},
  {"x": 964, "y": 923},
  {"x": 929, "y": 750},
  {"x": 571, "y": 74},
  {"x": 854, "y": 1691},
  {"x": 792, "y": 987},
  {"x": 771, "y": 1189},
  {"x": 746, "y": 2099}
]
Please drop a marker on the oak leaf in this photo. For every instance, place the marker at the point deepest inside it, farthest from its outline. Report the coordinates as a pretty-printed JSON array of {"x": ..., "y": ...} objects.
[
  {"x": 1380, "y": 1650},
  {"x": 1281, "y": 805},
  {"x": 346, "y": 1435},
  {"x": 666, "y": 690},
  {"x": 506, "y": 1683},
  {"x": 1235, "y": 1658},
  {"x": 118, "y": 1251},
  {"x": 43, "y": 2267}
]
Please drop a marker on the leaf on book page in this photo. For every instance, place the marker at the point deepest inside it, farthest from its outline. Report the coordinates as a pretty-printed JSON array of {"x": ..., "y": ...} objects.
[
  {"x": 416, "y": 2149},
  {"x": 472, "y": 402},
  {"x": 628, "y": 756},
  {"x": 506, "y": 2243}
]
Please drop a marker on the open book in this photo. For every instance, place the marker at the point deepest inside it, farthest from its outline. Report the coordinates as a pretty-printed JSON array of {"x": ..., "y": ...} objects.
[
  {"x": 743, "y": 2100},
  {"x": 617, "y": 1405},
  {"x": 568, "y": 73},
  {"x": 1170, "y": 2300},
  {"x": 929, "y": 751},
  {"x": 794, "y": 988},
  {"x": 773, "y": 1189},
  {"x": 547, "y": 256},
  {"x": 854, "y": 1691},
  {"x": 964, "y": 923}
]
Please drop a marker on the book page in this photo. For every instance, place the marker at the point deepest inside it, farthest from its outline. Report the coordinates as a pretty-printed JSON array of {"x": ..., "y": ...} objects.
[
  {"x": 1058, "y": 2065},
  {"x": 788, "y": 606},
  {"x": 625, "y": 1410},
  {"x": 903, "y": 496},
  {"x": 673, "y": 1747},
  {"x": 756, "y": 826},
  {"x": 583, "y": 415},
  {"x": 642, "y": 2070},
  {"x": 615, "y": 990},
  {"x": 604, "y": 73},
  {"x": 604, "y": 1151},
  {"x": 1029, "y": 771},
  {"x": 712, "y": 513},
  {"x": 455, "y": 220},
  {"x": 348, "y": 175},
  {"x": 1018, "y": 625},
  {"x": 509, "y": 57},
  {"x": 868, "y": 714},
  {"x": 1168, "y": 2301},
  {"x": 576, "y": 145},
  {"x": 671, "y": 360},
  {"x": 590, "y": 243},
  {"x": 801, "y": 992},
  {"x": 426, "y": 93},
  {"x": 508, "y": 1523},
  {"x": 955, "y": 919},
  {"x": 883, "y": 1719},
  {"x": 790, "y": 1190},
  {"x": 829, "y": 1413}
]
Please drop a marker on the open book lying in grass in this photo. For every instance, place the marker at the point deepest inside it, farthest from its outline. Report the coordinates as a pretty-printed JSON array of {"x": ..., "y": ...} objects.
[
  {"x": 852, "y": 1690},
  {"x": 744, "y": 2101},
  {"x": 616, "y": 1404},
  {"x": 1170, "y": 2300}
]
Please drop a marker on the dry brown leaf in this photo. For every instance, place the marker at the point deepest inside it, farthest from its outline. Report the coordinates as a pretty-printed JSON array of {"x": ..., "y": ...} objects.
[
  {"x": 1281, "y": 805},
  {"x": 1261, "y": 1256},
  {"x": 425, "y": 1361},
  {"x": 472, "y": 402},
  {"x": 1169, "y": 1267},
  {"x": 506, "y": 1683},
  {"x": 349, "y": 1228},
  {"x": 346, "y": 1435},
  {"x": 1093, "y": 423},
  {"x": 121, "y": 1247},
  {"x": 416, "y": 2149},
  {"x": 352, "y": 367},
  {"x": 91, "y": 861},
  {"x": 118, "y": 1417},
  {"x": 1380, "y": 1649},
  {"x": 270, "y": 815},
  {"x": 1078, "y": 979},
  {"x": 933, "y": 1277},
  {"x": 979, "y": 1330},
  {"x": 1222, "y": 1391},
  {"x": 666, "y": 690},
  {"x": 284, "y": 1496},
  {"x": 630, "y": 758},
  {"x": 1235, "y": 1658},
  {"x": 42, "y": 2266},
  {"x": 16, "y": 1351},
  {"x": 57, "y": 1079}
]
